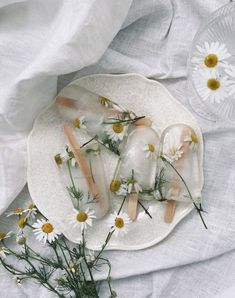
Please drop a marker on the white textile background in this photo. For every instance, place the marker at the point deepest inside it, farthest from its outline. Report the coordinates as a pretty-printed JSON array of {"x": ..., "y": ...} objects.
[{"x": 40, "y": 40}]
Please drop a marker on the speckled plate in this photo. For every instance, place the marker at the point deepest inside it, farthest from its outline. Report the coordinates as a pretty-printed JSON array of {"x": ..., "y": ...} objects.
[{"x": 144, "y": 97}]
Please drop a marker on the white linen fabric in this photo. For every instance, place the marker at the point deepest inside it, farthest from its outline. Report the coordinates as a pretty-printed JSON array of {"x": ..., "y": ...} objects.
[{"x": 43, "y": 39}]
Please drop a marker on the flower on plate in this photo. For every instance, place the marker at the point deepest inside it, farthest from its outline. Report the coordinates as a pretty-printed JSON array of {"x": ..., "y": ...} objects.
[
  {"x": 65, "y": 156},
  {"x": 79, "y": 122},
  {"x": 3, "y": 252},
  {"x": 31, "y": 211},
  {"x": 150, "y": 150},
  {"x": 230, "y": 70},
  {"x": 4, "y": 236},
  {"x": 17, "y": 211},
  {"x": 45, "y": 231},
  {"x": 211, "y": 86},
  {"x": 210, "y": 55},
  {"x": 119, "y": 223},
  {"x": 116, "y": 131},
  {"x": 81, "y": 218}
]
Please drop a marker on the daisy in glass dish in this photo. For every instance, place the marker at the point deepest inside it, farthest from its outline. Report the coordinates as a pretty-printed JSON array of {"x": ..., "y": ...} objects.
[
  {"x": 211, "y": 86},
  {"x": 45, "y": 231},
  {"x": 4, "y": 236},
  {"x": 81, "y": 219},
  {"x": 31, "y": 211},
  {"x": 230, "y": 71},
  {"x": 116, "y": 131},
  {"x": 210, "y": 55},
  {"x": 119, "y": 223},
  {"x": 151, "y": 152},
  {"x": 17, "y": 211}
]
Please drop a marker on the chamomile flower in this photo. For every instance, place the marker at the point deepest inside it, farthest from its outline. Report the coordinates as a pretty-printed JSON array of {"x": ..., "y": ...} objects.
[
  {"x": 119, "y": 223},
  {"x": 31, "y": 211},
  {"x": 151, "y": 152},
  {"x": 211, "y": 86},
  {"x": 17, "y": 211},
  {"x": 133, "y": 186},
  {"x": 79, "y": 122},
  {"x": 3, "y": 252},
  {"x": 81, "y": 218},
  {"x": 193, "y": 139},
  {"x": 45, "y": 231},
  {"x": 172, "y": 146},
  {"x": 230, "y": 70},
  {"x": 64, "y": 157},
  {"x": 104, "y": 101},
  {"x": 4, "y": 236},
  {"x": 123, "y": 190},
  {"x": 116, "y": 131},
  {"x": 210, "y": 55}
]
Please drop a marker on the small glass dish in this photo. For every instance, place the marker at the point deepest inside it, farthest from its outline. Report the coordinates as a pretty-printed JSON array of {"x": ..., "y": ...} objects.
[{"x": 211, "y": 67}]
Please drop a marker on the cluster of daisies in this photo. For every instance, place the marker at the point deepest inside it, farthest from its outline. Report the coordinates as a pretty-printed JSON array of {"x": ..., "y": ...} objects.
[{"x": 213, "y": 75}]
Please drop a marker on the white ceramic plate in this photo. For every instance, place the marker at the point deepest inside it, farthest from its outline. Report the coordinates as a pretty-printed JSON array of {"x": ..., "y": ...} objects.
[{"x": 144, "y": 97}]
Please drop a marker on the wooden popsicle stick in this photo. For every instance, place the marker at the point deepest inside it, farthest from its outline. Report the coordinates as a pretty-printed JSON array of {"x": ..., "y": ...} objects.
[
  {"x": 81, "y": 160},
  {"x": 67, "y": 102},
  {"x": 144, "y": 121},
  {"x": 175, "y": 189},
  {"x": 132, "y": 205}
]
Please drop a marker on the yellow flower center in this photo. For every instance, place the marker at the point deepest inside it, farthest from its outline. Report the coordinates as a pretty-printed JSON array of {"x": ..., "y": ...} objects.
[
  {"x": 81, "y": 216},
  {"x": 103, "y": 100},
  {"x": 2, "y": 235},
  {"x": 21, "y": 222},
  {"x": 58, "y": 159},
  {"x": 194, "y": 138},
  {"x": 211, "y": 60},
  {"x": 18, "y": 211},
  {"x": 173, "y": 151},
  {"x": 213, "y": 84},
  {"x": 47, "y": 228},
  {"x": 30, "y": 206},
  {"x": 118, "y": 127},
  {"x": 151, "y": 147},
  {"x": 115, "y": 185},
  {"x": 119, "y": 222},
  {"x": 76, "y": 123}
]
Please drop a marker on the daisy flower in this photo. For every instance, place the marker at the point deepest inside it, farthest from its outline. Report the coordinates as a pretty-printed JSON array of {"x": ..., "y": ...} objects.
[
  {"x": 79, "y": 122},
  {"x": 211, "y": 87},
  {"x": 123, "y": 190},
  {"x": 81, "y": 219},
  {"x": 133, "y": 186},
  {"x": 104, "y": 101},
  {"x": 230, "y": 70},
  {"x": 119, "y": 223},
  {"x": 64, "y": 157},
  {"x": 172, "y": 147},
  {"x": 31, "y": 211},
  {"x": 4, "y": 236},
  {"x": 210, "y": 55},
  {"x": 3, "y": 252},
  {"x": 150, "y": 150},
  {"x": 17, "y": 211},
  {"x": 193, "y": 139},
  {"x": 45, "y": 231},
  {"x": 116, "y": 131}
]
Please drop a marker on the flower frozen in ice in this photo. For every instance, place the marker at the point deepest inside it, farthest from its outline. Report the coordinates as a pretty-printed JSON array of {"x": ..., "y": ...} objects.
[
  {"x": 116, "y": 131},
  {"x": 133, "y": 186},
  {"x": 150, "y": 150},
  {"x": 210, "y": 55},
  {"x": 172, "y": 146},
  {"x": 79, "y": 122},
  {"x": 45, "y": 231},
  {"x": 211, "y": 86},
  {"x": 81, "y": 218},
  {"x": 119, "y": 187},
  {"x": 64, "y": 157},
  {"x": 119, "y": 223}
]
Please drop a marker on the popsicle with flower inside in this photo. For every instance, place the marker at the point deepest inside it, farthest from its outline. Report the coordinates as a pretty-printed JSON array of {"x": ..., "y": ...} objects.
[
  {"x": 179, "y": 149},
  {"x": 98, "y": 116},
  {"x": 84, "y": 174},
  {"x": 137, "y": 167}
]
